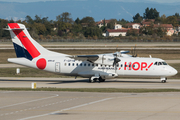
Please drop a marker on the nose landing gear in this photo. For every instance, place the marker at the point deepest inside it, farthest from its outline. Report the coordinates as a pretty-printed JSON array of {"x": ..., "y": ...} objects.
[{"x": 163, "y": 80}]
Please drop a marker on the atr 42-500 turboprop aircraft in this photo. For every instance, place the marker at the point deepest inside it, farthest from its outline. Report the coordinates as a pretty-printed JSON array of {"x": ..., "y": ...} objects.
[{"x": 95, "y": 67}]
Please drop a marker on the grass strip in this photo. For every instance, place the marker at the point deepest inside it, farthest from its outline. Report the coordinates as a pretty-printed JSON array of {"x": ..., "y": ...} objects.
[{"x": 103, "y": 90}]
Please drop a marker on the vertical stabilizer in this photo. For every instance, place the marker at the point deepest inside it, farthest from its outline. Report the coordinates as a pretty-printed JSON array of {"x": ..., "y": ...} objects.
[{"x": 24, "y": 44}]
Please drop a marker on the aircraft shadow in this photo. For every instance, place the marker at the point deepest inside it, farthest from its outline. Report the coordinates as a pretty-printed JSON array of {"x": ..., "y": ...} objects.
[
  {"x": 110, "y": 81},
  {"x": 58, "y": 81},
  {"x": 81, "y": 81},
  {"x": 135, "y": 81}
]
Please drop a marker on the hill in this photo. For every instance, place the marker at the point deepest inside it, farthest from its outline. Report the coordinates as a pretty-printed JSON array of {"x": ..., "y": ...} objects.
[{"x": 96, "y": 9}]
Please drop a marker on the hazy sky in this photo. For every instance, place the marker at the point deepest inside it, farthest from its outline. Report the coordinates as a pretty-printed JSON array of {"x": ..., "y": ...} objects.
[{"x": 159, "y": 1}]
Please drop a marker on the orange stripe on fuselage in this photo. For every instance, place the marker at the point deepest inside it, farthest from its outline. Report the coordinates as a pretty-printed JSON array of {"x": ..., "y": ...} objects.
[{"x": 25, "y": 40}]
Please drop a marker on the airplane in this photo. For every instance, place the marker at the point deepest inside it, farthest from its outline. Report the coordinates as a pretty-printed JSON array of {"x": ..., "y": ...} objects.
[{"x": 95, "y": 67}]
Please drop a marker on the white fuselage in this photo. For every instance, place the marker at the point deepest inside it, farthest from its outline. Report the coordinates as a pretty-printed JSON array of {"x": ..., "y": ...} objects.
[
  {"x": 136, "y": 67},
  {"x": 96, "y": 67}
]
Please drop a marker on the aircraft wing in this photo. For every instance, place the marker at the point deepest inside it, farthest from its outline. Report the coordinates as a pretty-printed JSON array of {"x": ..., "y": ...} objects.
[
  {"x": 122, "y": 53},
  {"x": 90, "y": 58}
]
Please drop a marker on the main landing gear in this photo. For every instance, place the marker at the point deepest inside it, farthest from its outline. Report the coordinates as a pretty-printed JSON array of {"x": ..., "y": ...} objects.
[
  {"x": 92, "y": 79},
  {"x": 163, "y": 80}
]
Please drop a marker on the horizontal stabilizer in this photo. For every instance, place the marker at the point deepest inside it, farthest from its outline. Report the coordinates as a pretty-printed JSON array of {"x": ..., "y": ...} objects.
[
  {"x": 13, "y": 29},
  {"x": 22, "y": 61}
]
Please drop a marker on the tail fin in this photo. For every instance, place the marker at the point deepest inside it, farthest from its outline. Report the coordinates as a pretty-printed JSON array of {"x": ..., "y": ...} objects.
[{"x": 24, "y": 44}]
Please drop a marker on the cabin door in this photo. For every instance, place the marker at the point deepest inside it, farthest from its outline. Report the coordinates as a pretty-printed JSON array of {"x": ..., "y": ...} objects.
[{"x": 57, "y": 67}]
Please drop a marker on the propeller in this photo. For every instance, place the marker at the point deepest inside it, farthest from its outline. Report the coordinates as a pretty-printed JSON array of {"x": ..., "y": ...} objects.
[
  {"x": 116, "y": 53},
  {"x": 134, "y": 52},
  {"x": 116, "y": 60}
]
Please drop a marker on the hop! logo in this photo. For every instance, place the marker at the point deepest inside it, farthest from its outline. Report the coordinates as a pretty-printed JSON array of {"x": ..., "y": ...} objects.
[{"x": 137, "y": 66}]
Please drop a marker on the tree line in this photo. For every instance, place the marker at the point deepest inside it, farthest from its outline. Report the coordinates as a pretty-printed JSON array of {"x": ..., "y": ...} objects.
[{"x": 64, "y": 27}]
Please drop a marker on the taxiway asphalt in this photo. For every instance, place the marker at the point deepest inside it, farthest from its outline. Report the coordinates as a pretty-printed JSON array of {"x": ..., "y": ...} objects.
[
  {"x": 21, "y": 82},
  {"x": 46, "y": 105},
  {"x": 39, "y": 105}
]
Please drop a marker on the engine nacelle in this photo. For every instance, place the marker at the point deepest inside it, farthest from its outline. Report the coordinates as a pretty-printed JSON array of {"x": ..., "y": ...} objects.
[{"x": 105, "y": 60}]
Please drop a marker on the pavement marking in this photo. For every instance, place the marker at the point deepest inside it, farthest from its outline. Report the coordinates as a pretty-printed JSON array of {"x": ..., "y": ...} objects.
[
  {"x": 78, "y": 106},
  {"x": 38, "y": 107},
  {"x": 29, "y": 101},
  {"x": 7, "y": 92}
]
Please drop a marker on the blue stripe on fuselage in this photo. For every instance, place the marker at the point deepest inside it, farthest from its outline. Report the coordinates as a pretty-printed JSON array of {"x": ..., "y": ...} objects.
[{"x": 21, "y": 52}]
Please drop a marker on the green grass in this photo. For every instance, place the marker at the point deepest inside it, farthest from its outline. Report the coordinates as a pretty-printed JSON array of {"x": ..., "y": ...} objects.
[
  {"x": 103, "y": 90},
  {"x": 27, "y": 72}
]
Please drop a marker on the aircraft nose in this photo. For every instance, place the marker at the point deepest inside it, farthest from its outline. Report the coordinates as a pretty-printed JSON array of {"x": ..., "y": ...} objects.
[{"x": 173, "y": 71}]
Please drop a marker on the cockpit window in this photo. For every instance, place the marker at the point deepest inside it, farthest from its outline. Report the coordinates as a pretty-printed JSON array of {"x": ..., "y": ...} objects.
[
  {"x": 159, "y": 63},
  {"x": 164, "y": 63}
]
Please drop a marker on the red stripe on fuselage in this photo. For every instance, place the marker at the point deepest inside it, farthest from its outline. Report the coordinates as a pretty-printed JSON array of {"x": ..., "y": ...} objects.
[{"x": 25, "y": 40}]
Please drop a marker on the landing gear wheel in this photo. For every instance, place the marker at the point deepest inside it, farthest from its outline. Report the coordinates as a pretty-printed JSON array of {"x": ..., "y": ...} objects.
[
  {"x": 163, "y": 81},
  {"x": 101, "y": 80},
  {"x": 92, "y": 81}
]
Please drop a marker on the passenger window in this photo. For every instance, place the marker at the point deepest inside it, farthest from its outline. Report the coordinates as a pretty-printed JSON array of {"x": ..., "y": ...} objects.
[
  {"x": 117, "y": 65},
  {"x": 76, "y": 64},
  {"x": 97, "y": 65},
  {"x": 155, "y": 63},
  {"x": 84, "y": 64},
  {"x": 92, "y": 64},
  {"x": 88, "y": 64},
  {"x": 64, "y": 64},
  {"x": 73, "y": 64},
  {"x": 121, "y": 65},
  {"x": 69, "y": 64},
  {"x": 81, "y": 64}
]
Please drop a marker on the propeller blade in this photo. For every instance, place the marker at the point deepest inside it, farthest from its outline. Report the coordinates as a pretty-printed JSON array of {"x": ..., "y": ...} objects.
[
  {"x": 134, "y": 52},
  {"x": 116, "y": 60}
]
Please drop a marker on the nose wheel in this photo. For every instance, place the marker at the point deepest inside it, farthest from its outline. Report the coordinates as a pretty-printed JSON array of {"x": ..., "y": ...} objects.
[{"x": 163, "y": 80}]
